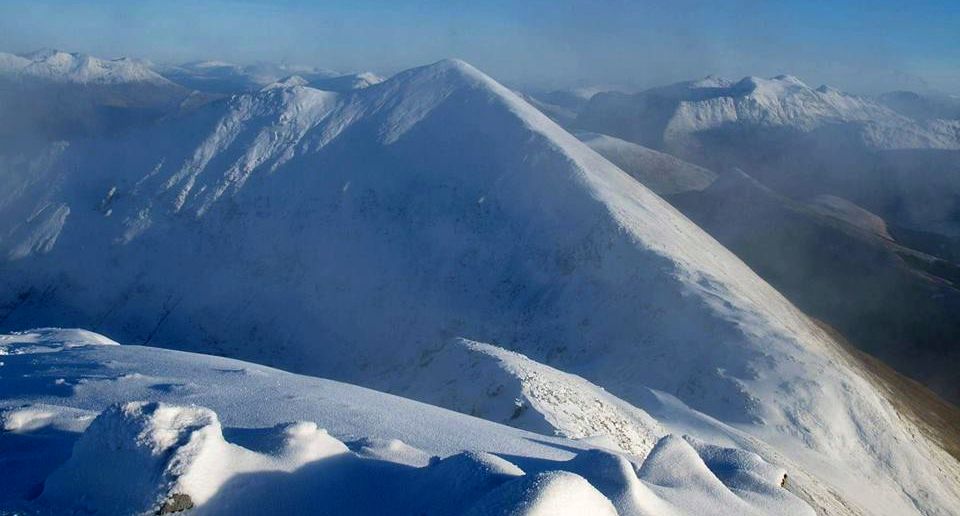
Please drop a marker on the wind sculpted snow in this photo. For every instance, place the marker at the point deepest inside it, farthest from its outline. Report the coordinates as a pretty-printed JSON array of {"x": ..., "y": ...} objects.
[{"x": 309, "y": 446}]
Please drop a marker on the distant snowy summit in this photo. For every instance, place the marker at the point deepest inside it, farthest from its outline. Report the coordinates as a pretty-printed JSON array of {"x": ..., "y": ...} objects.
[
  {"x": 672, "y": 115},
  {"x": 223, "y": 77},
  {"x": 56, "y": 66},
  {"x": 64, "y": 67}
]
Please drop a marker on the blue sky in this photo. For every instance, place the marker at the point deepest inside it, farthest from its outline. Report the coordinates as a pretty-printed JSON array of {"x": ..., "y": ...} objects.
[{"x": 857, "y": 45}]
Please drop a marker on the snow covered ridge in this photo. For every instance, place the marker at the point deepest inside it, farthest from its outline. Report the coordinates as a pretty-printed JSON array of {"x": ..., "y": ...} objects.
[
  {"x": 77, "y": 450},
  {"x": 349, "y": 234},
  {"x": 63, "y": 67}
]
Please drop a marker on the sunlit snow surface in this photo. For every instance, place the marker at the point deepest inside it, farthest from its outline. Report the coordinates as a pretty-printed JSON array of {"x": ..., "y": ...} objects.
[{"x": 221, "y": 436}]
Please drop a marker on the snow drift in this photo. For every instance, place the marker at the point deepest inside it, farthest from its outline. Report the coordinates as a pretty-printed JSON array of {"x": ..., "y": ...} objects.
[{"x": 158, "y": 457}]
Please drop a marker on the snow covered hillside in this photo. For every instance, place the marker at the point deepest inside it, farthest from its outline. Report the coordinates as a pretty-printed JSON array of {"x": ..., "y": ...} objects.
[
  {"x": 350, "y": 234},
  {"x": 273, "y": 442}
]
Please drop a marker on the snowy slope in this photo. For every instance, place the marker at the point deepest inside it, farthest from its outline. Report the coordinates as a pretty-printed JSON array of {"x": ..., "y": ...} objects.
[
  {"x": 275, "y": 442},
  {"x": 672, "y": 116},
  {"x": 346, "y": 234}
]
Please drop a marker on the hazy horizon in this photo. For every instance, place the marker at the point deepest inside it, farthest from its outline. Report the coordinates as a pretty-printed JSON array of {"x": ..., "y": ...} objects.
[{"x": 860, "y": 47}]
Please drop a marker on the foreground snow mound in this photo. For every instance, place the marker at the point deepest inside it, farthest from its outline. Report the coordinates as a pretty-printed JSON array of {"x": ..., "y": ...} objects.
[
  {"x": 160, "y": 456},
  {"x": 555, "y": 493},
  {"x": 710, "y": 475},
  {"x": 163, "y": 456}
]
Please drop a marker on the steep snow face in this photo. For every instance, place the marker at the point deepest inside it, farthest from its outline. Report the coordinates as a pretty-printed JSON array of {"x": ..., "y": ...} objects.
[
  {"x": 346, "y": 452},
  {"x": 674, "y": 115},
  {"x": 63, "y": 67},
  {"x": 346, "y": 234}
]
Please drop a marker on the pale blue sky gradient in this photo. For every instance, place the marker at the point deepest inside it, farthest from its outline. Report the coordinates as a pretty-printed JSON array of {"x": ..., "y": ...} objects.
[{"x": 856, "y": 45}]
